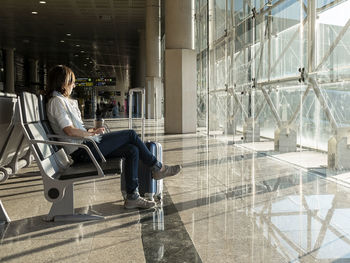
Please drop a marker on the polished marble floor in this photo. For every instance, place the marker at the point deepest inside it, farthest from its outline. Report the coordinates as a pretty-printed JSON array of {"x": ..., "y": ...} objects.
[{"x": 229, "y": 204}]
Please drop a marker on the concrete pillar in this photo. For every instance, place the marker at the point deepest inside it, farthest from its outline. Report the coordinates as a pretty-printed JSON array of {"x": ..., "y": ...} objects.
[
  {"x": 153, "y": 81},
  {"x": 180, "y": 68},
  {"x": 33, "y": 75},
  {"x": 9, "y": 70},
  {"x": 141, "y": 60}
]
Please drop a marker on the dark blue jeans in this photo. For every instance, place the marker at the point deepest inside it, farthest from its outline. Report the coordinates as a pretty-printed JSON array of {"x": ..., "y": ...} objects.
[{"x": 121, "y": 144}]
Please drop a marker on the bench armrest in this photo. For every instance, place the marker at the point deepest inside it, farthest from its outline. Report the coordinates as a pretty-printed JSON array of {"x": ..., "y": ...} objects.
[
  {"x": 86, "y": 148},
  {"x": 83, "y": 138},
  {"x": 106, "y": 127}
]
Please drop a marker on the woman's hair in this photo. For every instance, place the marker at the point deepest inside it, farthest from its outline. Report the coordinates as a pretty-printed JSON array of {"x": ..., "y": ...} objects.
[{"x": 59, "y": 78}]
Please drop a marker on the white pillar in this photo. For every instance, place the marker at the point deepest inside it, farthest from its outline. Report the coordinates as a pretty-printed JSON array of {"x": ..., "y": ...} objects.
[
  {"x": 153, "y": 81},
  {"x": 141, "y": 60},
  {"x": 9, "y": 70},
  {"x": 180, "y": 68}
]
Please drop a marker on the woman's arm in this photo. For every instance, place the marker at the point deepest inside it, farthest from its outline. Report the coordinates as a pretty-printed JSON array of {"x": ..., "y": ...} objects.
[{"x": 75, "y": 132}]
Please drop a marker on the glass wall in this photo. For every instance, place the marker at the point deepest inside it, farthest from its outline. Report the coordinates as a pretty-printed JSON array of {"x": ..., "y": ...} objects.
[
  {"x": 274, "y": 65},
  {"x": 2, "y": 71},
  {"x": 201, "y": 34}
]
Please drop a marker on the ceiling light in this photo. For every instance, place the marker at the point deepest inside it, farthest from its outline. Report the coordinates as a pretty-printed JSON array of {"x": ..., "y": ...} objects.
[
  {"x": 34, "y": 12},
  {"x": 90, "y": 62},
  {"x": 76, "y": 55},
  {"x": 87, "y": 58},
  {"x": 68, "y": 34},
  {"x": 85, "y": 65},
  {"x": 82, "y": 51},
  {"x": 2, "y": 69},
  {"x": 42, "y": 2},
  {"x": 77, "y": 45},
  {"x": 62, "y": 41}
]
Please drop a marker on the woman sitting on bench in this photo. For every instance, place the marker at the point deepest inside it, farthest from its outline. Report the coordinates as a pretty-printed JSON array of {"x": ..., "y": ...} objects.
[{"x": 65, "y": 119}]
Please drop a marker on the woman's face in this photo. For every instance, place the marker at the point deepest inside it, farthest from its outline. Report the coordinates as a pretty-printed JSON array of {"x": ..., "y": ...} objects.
[{"x": 70, "y": 88}]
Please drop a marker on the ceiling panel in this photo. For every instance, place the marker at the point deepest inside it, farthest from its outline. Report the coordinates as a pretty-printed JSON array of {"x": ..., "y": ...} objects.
[{"x": 104, "y": 31}]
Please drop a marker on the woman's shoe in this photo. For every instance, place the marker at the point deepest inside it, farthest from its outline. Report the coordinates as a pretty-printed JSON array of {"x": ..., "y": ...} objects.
[
  {"x": 138, "y": 203},
  {"x": 166, "y": 171}
]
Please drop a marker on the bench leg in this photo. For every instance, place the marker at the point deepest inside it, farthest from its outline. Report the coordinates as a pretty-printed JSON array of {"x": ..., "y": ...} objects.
[
  {"x": 4, "y": 218},
  {"x": 4, "y": 174},
  {"x": 63, "y": 210}
]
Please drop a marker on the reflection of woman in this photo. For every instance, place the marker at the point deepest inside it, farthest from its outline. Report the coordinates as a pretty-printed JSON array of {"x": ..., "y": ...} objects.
[{"x": 65, "y": 119}]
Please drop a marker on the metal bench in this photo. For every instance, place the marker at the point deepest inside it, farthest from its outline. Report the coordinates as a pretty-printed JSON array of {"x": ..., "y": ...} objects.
[
  {"x": 14, "y": 149},
  {"x": 58, "y": 172}
]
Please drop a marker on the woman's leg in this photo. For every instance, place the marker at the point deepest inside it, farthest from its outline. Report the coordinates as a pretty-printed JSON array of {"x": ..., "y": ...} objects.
[
  {"x": 131, "y": 154},
  {"x": 114, "y": 140}
]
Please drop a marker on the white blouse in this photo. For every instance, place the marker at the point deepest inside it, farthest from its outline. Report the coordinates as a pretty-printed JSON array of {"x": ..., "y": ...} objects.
[{"x": 61, "y": 112}]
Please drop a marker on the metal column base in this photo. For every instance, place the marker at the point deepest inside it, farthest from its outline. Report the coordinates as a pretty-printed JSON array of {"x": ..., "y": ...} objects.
[
  {"x": 251, "y": 131},
  {"x": 285, "y": 139},
  {"x": 339, "y": 150},
  {"x": 4, "y": 218}
]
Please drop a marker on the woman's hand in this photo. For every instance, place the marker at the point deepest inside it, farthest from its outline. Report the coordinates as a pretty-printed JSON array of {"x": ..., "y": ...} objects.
[{"x": 97, "y": 130}]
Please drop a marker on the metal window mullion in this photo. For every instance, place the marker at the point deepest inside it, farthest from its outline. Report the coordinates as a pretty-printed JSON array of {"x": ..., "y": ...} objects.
[
  {"x": 238, "y": 101},
  {"x": 261, "y": 47},
  {"x": 287, "y": 46},
  {"x": 323, "y": 102},
  {"x": 327, "y": 6},
  {"x": 272, "y": 107},
  {"x": 217, "y": 91},
  {"x": 209, "y": 27},
  {"x": 255, "y": 72},
  {"x": 269, "y": 27},
  {"x": 294, "y": 116},
  {"x": 261, "y": 107},
  {"x": 341, "y": 41},
  {"x": 334, "y": 44},
  {"x": 278, "y": 81},
  {"x": 311, "y": 35},
  {"x": 262, "y": 12},
  {"x": 226, "y": 66},
  {"x": 235, "y": 111}
]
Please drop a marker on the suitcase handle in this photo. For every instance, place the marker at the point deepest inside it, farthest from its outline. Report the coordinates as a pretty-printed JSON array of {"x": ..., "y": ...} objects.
[{"x": 131, "y": 92}]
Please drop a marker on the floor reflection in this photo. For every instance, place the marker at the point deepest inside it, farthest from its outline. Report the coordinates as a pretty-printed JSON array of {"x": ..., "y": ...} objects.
[
  {"x": 164, "y": 237},
  {"x": 229, "y": 204},
  {"x": 307, "y": 224},
  {"x": 253, "y": 208}
]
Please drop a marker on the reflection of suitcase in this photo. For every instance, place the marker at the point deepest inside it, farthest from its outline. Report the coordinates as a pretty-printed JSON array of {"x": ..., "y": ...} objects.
[{"x": 148, "y": 187}]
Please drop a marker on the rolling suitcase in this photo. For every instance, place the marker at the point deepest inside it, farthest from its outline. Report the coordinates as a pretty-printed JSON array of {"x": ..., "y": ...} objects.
[{"x": 148, "y": 187}]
